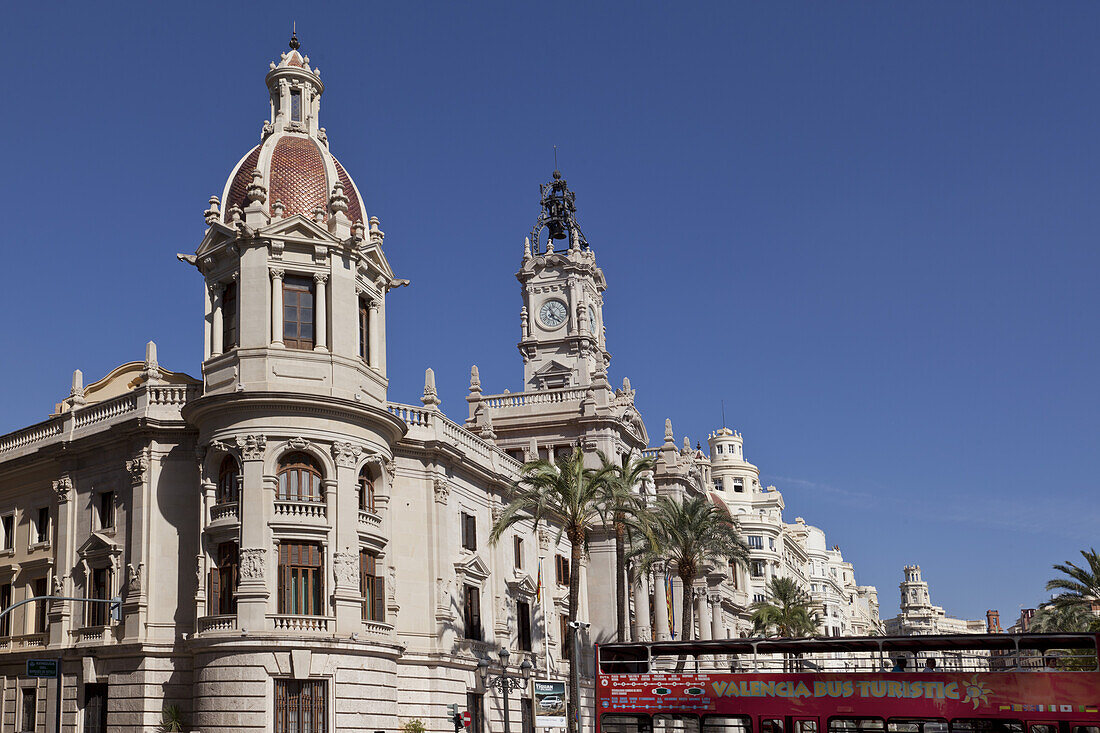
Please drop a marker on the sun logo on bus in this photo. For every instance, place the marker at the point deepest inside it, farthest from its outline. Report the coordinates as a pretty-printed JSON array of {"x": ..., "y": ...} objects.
[{"x": 976, "y": 692}]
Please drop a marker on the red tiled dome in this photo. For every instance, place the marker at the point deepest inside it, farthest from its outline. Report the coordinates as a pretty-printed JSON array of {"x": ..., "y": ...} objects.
[{"x": 297, "y": 175}]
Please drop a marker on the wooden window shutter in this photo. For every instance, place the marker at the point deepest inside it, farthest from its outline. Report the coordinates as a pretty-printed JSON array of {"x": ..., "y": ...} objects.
[
  {"x": 215, "y": 591},
  {"x": 379, "y": 609}
]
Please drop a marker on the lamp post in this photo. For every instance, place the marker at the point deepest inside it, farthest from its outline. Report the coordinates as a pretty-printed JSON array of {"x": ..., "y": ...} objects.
[{"x": 503, "y": 681}]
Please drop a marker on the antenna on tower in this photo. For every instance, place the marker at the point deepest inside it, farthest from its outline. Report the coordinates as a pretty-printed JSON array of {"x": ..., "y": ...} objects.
[
  {"x": 555, "y": 157},
  {"x": 294, "y": 45},
  {"x": 723, "y": 413}
]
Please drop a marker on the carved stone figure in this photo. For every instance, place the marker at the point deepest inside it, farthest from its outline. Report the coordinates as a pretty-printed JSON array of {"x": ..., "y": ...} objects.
[
  {"x": 252, "y": 563},
  {"x": 252, "y": 447},
  {"x": 137, "y": 468},
  {"x": 62, "y": 487},
  {"x": 345, "y": 567},
  {"x": 442, "y": 490},
  {"x": 346, "y": 455}
]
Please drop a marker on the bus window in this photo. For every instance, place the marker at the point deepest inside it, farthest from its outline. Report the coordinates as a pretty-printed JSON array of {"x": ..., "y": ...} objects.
[
  {"x": 916, "y": 725},
  {"x": 850, "y": 725},
  {"x": 1086, "y": 729},
  {"x": 771, "y": 725},
  {"x": 727, "y": 724},
  {"x": 1043, "y": 728},
  {"x": 986, "y": 725},
  {"x": 625, "y": 724},
  {"x": 668, "y": 723},
  {"x": 805, "y": 726}
]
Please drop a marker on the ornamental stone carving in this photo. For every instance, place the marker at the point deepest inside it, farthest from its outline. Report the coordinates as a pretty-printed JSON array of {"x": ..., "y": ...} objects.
[
  {"x": 298, "y": 443},
  {"x": 62, "y": 487},
  {"x": 544, "y": 539},
  {"x": 346, "y": 455},
  {"x": 137, "y": 469},
  {"x": 442, "y": 491},
  {"x": 345, "y": 569},
  {"x": 133, "y": 578},
  {"x": 496, "y": 509},
  {"x": 252, "y": 447},
  {"x": 252, "y": 563}
]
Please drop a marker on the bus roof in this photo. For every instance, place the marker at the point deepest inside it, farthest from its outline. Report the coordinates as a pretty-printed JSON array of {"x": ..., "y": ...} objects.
[{"x": 992, "y": 642}]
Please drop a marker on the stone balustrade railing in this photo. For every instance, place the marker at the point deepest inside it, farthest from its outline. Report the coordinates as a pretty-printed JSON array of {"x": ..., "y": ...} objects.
[
  {"x": 536, "y": 397},
  {"x": 298, "y": 624},
  {"x": 226, "y": 622},
  {"x": 370, "y": 519},
  {"x": 31, "y": 435},
  {"x": 444, "y": 429},
  {"x": 105, "y": 410},
  {"x": 226, "y": 511},
  {"x": 301, "y": 509}
]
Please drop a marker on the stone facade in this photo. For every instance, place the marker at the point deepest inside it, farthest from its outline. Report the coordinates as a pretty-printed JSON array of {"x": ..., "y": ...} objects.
[{"x": 280, "y": 527}]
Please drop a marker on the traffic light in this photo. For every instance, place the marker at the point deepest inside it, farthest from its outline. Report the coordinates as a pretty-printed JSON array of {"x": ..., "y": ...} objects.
[
  {"x": 456, "y": 717},
  {"x": 115, "y": 607}
]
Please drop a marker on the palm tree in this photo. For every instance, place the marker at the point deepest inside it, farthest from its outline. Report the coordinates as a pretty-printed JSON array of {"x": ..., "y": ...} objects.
[
  {"x": 570, "y": 497},
  {"x": 694, "y": 533},
  {"x": 786, "y": 610},
  {"x": 628, "y": 514},
  {"x": 1052, "y": 618},
  {"x": 1081, "y": 586}
]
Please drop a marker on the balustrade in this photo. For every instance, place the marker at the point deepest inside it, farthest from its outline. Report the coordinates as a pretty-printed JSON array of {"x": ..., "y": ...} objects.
[{"x": 299, "y": 624}]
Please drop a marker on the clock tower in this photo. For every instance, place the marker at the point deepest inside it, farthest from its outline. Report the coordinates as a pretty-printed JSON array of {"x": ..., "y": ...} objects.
[{"x": 562, "y": 337}]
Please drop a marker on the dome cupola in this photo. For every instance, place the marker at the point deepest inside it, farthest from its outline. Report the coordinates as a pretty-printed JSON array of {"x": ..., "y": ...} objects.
[{"x": 292, "y": 171}]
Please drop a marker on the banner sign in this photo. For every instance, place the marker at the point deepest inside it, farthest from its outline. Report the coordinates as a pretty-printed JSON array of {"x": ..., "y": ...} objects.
[
  {"x": 549, "y": 703},
  {"x": 41, "y": 667}
]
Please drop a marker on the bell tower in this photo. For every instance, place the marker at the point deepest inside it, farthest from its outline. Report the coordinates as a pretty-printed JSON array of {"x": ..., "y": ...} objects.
[{"x": 562, "y": 335}]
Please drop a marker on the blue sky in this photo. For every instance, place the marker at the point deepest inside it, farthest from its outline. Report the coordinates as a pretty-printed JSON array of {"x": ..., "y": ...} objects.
[{"x": 868, "y": 227}]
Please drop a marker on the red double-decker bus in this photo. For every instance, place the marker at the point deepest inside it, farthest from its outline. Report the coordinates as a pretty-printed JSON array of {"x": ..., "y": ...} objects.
[{"x": 996, "y": 683}]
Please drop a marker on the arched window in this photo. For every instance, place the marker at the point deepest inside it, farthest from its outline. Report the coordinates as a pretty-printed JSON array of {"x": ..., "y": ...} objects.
[
  {"x": 223, "y": 580},
  {"x": 366, "y": 492},
  {"x": 229, "y": 480},
  {"x": 299, "y": 479}
]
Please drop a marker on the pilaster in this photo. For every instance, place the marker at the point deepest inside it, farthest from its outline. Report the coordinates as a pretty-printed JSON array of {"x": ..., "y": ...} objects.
[{"x": 253, "y": 590}]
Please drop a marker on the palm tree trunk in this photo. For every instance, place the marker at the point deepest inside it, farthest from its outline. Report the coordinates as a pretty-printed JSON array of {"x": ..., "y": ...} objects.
[
  {"x": 576, "y": 548},
  {"x": 620, "y": 585},
  {"x": 687, "y": 624}
]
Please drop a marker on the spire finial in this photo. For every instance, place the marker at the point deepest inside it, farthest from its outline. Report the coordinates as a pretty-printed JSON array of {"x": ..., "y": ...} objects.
[{"x": 294, "y": 45}]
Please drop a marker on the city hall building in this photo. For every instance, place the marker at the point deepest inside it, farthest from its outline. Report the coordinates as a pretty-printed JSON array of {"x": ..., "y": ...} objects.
[{"x": 294, "y": 551}]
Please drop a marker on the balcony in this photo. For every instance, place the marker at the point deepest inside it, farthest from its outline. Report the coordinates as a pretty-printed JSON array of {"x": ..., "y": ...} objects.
[
  {"x": 369, "y": 521},
  {"x": 26, "y": 641},
  {"x": 302, "y": 624},
  {"x": 297, "y": 511},
  {"x": 217, "y": 623},
  {"x": 225, "y": 512}
]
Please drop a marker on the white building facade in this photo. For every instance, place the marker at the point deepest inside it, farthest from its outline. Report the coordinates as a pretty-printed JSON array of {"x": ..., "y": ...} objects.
[
  {"x": 919, "y": 616},
  {"x": 294, "y": 551}
]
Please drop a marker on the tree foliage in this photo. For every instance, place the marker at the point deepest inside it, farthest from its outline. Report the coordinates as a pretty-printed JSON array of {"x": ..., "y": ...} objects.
[{"x": 785, "y": 612}]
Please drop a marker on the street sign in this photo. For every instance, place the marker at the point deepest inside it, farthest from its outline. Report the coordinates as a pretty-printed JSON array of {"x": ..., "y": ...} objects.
[
  {"x": 466, "y": 720},
  {"x": 549, "y": 703},
  {"x": 42, "y": 668}
]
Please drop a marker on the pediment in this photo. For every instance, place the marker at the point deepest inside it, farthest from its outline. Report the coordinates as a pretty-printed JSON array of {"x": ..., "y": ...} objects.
[
  {"x": 522, "y": 583},
  {"x": 374, "y": 259},
  {"x": 120, "y": 380},
  {"x": 475, "y": 568},
  {"x": 98, "y": 545},
  {"x": 553, "y": 368},
  {"x": 296, "y": 226},
  {"x": 216, "y": 237}
]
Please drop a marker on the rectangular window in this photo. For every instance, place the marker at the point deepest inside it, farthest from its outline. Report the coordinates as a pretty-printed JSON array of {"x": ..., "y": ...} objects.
[
  {"x": 756, "y": 542},
  {"x": 298, "y": 312},
  {"x": 296, "y": 105},
  {"x": 373, "y": 587},
  {"x": 29, "y": 711},
  {"x": 41, "y": 620},
  {"x": 757, "y": 597},
  {"x": 300, "y": 706},
  {"x": 739, "y": 485},
  {"x": 105, "y": 509},
  {"x": 100, "y": 588},
  {"x": 95, "y": 708},
  {"x": 223, "y": 581},
  {"x": 527, "y": 716},
  {"x": 523, "y": 632},
  {"x": 475, "y": 706},
  {"x": 7, "y": 524},
  {"x": 5, "y": 602},
  {"x": 756, "y": 568},
  {"x": 469, "y": 531},
  {"x": 42, "y": 526},
  {"x": 563, "y": 630},
  {"x": 718, "y": 484},
  {"x": 471, "y": 612},
  {"x": 229, "y": 317},
  {"x": 517, "y": 544},
  {"x": 771, "y": 543},
  {"x": 301, "y": 579},
  {"x": 846, "y": 725},
  {"x": 364, "y": 330},
  {"x": 733, "y": 724},
  {"x": 721, "y": 449},
  {"x": 561, "y": 568}
]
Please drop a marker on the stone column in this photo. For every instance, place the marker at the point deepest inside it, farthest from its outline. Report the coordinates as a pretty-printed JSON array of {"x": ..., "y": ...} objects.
[
  {"x": 372, "y": 334},
  {"x": 320, "y": 313},
  {"x": 380, "y": 337},
  {"x": 135, "y": 604},
  {"x": 276, "y": 307},
  {"x": 660, "y": 603},
  {"x": 217, "y": 291},
  {"x": 717, "y": 627},
  {"x": 255, "y": 553},
  {"x": 344, "y": 515},
  {"x": 642, "y": 630},
  {"x": 702, "y": 613},
  {"x": 59, "y": 612}
]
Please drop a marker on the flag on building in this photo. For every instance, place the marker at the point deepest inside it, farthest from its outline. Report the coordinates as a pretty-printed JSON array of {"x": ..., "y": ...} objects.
[{"x": 538, "y": 588}]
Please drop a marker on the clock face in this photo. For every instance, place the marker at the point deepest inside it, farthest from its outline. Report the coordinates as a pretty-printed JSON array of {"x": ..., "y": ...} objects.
[
  {"x": 552, "y": 313},
  {"x": 592, "y": 318}
]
